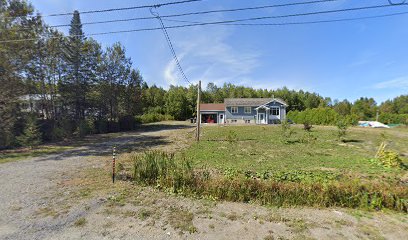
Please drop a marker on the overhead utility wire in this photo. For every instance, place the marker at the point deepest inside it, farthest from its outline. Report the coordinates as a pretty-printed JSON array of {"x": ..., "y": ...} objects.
[
  {"x": 113, "y": 9},
  {"x": 201, "y": 12},
  {"x": 156, "y": 14},
  {"x": 221, "y": 22},
  {"x": 297, "y": 23},
  {"x": 397, "y": 3},
  {"x": 248, "y": 19}
]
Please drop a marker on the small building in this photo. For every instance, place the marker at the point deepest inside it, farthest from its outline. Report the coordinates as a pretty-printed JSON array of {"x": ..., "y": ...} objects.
[{"x": 244, "y": 111}]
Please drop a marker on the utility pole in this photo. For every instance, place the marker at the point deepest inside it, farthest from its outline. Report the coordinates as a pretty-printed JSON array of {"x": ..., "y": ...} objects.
[{"x": 198, "y": 112}]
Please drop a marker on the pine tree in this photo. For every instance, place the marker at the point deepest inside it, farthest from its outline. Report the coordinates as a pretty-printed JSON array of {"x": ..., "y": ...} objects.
[
  {"x": 14, "y": 59},
  {"x": 75, "y": 84},
  {"x": 31, "y": 136}
]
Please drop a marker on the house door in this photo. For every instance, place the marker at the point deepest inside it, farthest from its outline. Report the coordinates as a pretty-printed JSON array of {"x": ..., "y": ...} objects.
[
  {"x": 261, "y": 118},
  {"x": 221, "y": 119}
]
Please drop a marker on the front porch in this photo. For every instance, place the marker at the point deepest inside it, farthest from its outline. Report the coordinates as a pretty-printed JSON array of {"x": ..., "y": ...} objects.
[{"x": 267, "y": 115}]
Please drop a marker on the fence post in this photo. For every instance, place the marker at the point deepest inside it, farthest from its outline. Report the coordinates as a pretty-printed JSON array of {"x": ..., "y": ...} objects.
[{"x": 113, "y": 164}]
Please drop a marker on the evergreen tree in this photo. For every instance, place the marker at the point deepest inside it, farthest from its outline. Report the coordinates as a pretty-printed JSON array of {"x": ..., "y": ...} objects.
[
  {"x": 31, "y": 136},
  {"x": 76, "y": 82},
  {"x": 15, "y": 56}
]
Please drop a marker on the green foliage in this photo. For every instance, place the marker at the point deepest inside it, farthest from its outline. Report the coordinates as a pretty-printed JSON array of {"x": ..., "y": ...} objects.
[
  {"x": 287, "y": 131},
  {"x": 177, "y": 104},
  {"x": 395, "y": 118},
  {"x": 84, "y": 128},
  {"x": 232, "y": 136},
  {"x": 295, "y": 176},
  {"x": 364, "y": 108},
  {"x": 342, "y": 126},
  {"x": 31, "y": 136},
  {"x": 388, "y": 158},
  {"x": 153, "y": 117},
  {"x": 282, "y": 189},
  {"x": 317, "y": 116}
]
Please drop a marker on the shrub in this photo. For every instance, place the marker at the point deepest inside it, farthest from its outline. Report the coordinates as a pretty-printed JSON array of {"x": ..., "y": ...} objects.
[
  {"x": 318, "y": 116},
  {"x": 287, "y": 131},
  {"x": 389, "y": 118},
  {"x": 101, "y": 126},
  {"x": 342, "y": 126},
  {"x": 388, "y": 158},
  {"x": 127, "y": 123},
  {"x": 83, "y": 129},
  {"x": 31, "y": 136},
  {"x": 232, "y": 136},
  {"x": 153, "y": 117},
  {"x": 307, "y": 126},
  {"x": 282, "y": 189}
]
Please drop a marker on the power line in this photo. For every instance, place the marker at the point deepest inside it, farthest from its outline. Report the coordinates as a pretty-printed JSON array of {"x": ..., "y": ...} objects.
[
  {"x": 298, "y": 23},
  {"x": 191, "y": 13},
  {"x": 156, "y": 14},
  {"x": 248, "y": 19},
  {"x": 201, "y": 12},
  {"x": 233, "y": 22},
  {"x": 112, "y": 9}
]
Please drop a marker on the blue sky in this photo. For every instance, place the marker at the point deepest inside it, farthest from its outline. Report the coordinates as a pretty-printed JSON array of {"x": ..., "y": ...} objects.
[{"x": 341, "y": 60}]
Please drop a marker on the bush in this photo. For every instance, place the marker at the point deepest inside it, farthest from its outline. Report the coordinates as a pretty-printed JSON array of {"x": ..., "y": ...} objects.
[
  {"x": 342, "y": 126},
  {"x": 101, "y": 126},
  {"x": 127, "y": 123},
  {"x": 153, "y": 117},
  {"x": 388, "y": 158},
  {"x": 282, "y": 189},
  {"x": 391, "y": 118},
  {"x": 31, "y": 136},
  {"x": 287, "y": 131},
  {"x": 84, "y": 128},
  {"x": 232, "y": 136},
  {"x": 317, "y": 116}
]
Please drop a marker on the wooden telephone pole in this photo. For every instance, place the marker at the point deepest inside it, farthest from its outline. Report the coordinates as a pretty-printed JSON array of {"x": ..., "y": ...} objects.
[{"x": 198, "y": 112}]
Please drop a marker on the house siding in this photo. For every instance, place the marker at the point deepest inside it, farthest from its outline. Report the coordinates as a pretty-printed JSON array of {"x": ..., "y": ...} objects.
[
  {"x": 282, "y": 109},
  {"x": 241, "y": 115}
]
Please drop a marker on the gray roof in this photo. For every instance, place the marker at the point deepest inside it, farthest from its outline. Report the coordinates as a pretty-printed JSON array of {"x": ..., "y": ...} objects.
[{"x": 251, "y": 102}]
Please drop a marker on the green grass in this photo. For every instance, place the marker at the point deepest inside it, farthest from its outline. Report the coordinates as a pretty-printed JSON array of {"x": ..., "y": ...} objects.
[
  {"x": 21, "y": 154},
  {"x": 263, "y": 148},
  {"x": 258, "y": 164}
]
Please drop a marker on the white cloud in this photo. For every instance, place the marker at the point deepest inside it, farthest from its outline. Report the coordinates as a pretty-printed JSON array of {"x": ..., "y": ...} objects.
[
  {"x": 397, "y": 83},
  {"x": 205, "y": 55}
]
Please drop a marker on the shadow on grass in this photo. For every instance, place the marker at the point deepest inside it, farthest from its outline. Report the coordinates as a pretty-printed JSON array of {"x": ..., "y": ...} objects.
[{"x": 352, "y": 141}]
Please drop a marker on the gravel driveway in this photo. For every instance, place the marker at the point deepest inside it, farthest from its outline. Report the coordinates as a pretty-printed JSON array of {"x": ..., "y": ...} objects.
[
  {"x": 29, "y": 186},
  {"x": 31, "y": 189}
]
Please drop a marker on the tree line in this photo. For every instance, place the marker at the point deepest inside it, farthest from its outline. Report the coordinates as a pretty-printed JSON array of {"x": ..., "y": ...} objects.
[{"x": 83, "y": 88}]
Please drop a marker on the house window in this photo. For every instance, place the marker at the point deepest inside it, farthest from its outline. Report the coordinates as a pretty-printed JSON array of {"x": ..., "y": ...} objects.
[
  {"x": 275, "y": 111},
  {"x": 247, "y": 109},
  {"x": 233, "y": 121},
  {"x": 234, "y": 109}
]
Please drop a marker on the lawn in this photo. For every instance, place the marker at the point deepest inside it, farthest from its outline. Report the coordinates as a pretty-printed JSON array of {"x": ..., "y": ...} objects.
[{"x": 265, "y": 148}]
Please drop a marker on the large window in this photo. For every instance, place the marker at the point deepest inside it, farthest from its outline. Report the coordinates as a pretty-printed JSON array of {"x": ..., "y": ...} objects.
[
  {"x": 234, "y": 109},
  {"x": 275, "y": 111},
  {"x": 247, "y": 110}
]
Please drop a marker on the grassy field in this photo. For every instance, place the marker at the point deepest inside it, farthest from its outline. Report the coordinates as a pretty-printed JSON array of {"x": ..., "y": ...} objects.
[{"x": 265, "y": 148}]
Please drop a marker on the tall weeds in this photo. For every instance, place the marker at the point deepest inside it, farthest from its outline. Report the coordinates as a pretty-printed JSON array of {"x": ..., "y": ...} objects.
[{"x": 165, "y": 171}]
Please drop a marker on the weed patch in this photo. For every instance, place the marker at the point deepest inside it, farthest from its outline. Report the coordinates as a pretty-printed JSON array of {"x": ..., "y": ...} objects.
[
  {"x": 178, "y": 176},
  {"x": 80, "y": 222}
]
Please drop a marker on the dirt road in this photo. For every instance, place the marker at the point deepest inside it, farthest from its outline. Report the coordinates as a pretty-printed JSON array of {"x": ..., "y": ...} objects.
[{"x": 69, "y": 196}]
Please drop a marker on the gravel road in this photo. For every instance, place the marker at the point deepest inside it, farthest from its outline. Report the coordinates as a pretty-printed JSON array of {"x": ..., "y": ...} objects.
[
  {"x": 29, "y": 186},
  {"x": 32, "y": 188}
]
